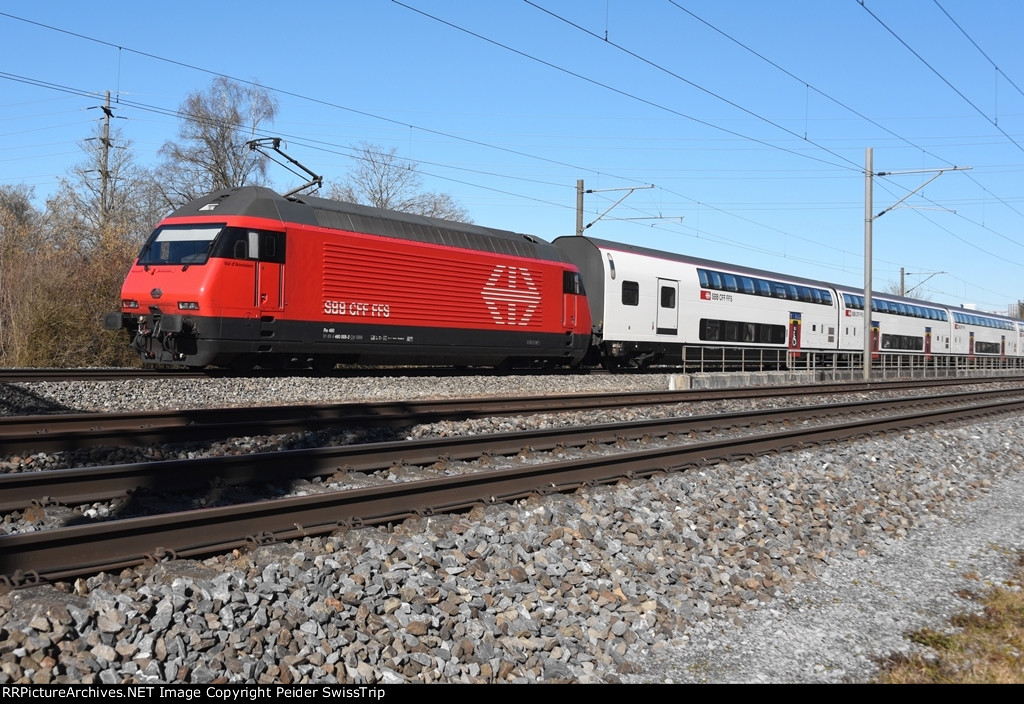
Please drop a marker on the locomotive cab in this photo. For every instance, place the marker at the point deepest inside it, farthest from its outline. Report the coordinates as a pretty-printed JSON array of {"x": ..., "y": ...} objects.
[{"x": 166, "y": 305}]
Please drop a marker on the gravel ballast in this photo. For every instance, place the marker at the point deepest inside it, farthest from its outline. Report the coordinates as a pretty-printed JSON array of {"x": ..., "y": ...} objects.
[{"x": 807, "y": 566}]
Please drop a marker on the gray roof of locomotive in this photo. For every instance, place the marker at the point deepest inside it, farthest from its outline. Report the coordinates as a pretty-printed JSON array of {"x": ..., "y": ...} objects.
[{"x": 254, "y": 201}]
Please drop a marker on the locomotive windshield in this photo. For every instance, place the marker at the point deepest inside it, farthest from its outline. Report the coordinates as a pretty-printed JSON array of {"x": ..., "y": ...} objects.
[{"x": 186, "y": 245}]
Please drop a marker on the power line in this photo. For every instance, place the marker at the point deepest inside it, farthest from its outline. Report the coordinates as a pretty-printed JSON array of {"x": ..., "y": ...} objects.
[
  {"x": 688, "y": 82},
  {"x": 841, "y": 104},
  {"x": 174, "y": 113},
  {"x": 980, "y": 50},
  {"x": 994, "y": 123},
  {"x": 611, "y": 88}
]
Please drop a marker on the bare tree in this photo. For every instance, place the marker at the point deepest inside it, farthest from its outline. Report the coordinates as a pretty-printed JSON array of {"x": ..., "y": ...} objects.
[
  {"x": 384, "y": 180},
  {"x": 210, "y": 153},
  {"x": 15, "y": 206},
  {"x": 62, "y": 269},
  {"x": 18, "y": 220},
  {"x": 896, "y": 290},
  {"x": 106, "y": 201}
]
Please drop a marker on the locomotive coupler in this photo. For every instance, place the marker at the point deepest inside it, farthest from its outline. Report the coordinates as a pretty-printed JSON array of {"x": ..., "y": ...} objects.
[{"x": 143, "y": 340}]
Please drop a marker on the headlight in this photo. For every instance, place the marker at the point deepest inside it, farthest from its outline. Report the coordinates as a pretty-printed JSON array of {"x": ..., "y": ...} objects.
[
  {"x": 129, "y": 303},
  {"x": 188, "y": 305}
]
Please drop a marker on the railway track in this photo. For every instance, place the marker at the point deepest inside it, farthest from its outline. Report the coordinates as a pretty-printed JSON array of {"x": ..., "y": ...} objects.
[
  {"x": 72, "y": 431},
  {"x": 69, "y": 551},
  {"x": 40, "y": 374},
  {"x": 47, "y": 374},
  {"x": 89, "y": 484},
  {"x": 13, "y": 375}
]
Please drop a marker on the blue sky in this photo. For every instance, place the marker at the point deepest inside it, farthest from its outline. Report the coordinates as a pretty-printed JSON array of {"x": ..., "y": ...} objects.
[{"x": 751, "y": 119}]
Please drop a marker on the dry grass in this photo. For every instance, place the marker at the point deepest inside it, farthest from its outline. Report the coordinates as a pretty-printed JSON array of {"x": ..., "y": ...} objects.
[{"x": 986, "y": 647}]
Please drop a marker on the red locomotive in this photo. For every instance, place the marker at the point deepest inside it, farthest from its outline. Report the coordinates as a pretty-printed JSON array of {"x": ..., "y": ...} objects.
[{"x": 245, "y": 277}]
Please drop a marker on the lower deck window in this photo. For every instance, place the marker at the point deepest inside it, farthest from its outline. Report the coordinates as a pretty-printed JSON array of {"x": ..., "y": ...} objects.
[
  {"x": 902, "y": 342},
  {"x": 987, "y": 347},
  {"x": 733, "y": 331}
]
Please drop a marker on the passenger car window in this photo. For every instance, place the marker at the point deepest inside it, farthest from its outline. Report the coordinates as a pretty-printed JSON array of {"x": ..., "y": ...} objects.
[{"x": 630, "y": 293}]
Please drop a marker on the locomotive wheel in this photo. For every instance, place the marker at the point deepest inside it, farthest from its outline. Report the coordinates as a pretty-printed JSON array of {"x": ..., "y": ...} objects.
[
  {"x": 273, "y": 362},
  {"x": 323, "y": 363},
  {"x": 505, "y": 366}
]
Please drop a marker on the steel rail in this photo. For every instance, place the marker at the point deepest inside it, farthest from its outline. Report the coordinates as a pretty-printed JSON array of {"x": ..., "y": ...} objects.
[
  {"x": 88, "y": 484},
  {"x": 29, "y": 558},
  {"x": 39, "y": 374},
  {"x": 72, "y": 431}
]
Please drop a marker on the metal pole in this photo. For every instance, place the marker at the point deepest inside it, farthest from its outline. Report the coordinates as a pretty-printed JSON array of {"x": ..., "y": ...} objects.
[
  {"x": 868, "y": 205},
  {"x": 579, "y": 207}
]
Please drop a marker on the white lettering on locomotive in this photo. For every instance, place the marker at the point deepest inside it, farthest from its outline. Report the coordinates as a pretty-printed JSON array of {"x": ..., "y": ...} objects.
[
  {"x": 357, "y": 308},
  {"x": 511, "y": 295},
  {"x": 334, "y": 308}
]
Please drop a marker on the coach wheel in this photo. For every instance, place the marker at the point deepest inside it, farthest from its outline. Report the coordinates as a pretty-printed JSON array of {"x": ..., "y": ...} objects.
[{"x": 242, "y": 364}]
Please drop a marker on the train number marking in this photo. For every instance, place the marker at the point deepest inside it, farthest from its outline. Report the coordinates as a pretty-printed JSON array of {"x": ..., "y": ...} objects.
[{"x": 511, "y": 295}]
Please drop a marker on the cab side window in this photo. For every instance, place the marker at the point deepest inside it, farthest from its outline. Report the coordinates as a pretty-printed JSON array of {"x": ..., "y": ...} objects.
[{"x": 242, "y": 243}]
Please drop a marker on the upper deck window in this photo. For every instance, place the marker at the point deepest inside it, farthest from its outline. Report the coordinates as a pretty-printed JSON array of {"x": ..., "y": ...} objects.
[{"x": 737, "y": 283}]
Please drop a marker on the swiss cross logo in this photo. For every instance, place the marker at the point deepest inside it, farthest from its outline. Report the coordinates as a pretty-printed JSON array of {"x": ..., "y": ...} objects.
[
  {"x": 511, "y": 295},
  {"x": 705, "y": 295}
]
